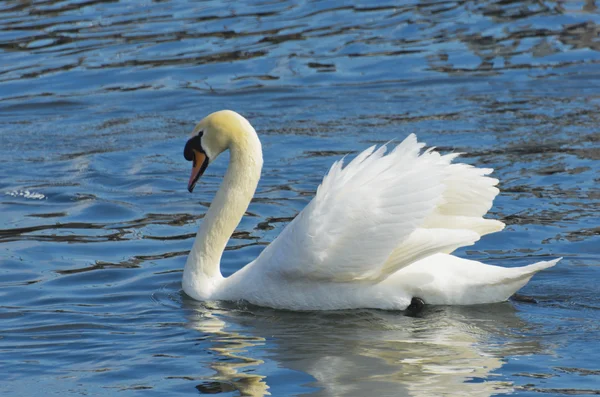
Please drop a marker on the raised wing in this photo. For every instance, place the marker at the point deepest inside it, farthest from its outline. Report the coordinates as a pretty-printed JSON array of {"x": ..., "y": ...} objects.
[
  {"x": 379, "y": 214},
  {"x": 456, "y": 222}
]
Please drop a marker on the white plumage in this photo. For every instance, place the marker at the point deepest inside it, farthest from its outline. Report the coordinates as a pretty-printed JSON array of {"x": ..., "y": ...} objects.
[{"x": 378, "y": 232}]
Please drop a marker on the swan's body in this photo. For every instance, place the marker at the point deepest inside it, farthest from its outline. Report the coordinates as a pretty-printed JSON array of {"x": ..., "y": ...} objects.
[{"x": 378, "y": 233}]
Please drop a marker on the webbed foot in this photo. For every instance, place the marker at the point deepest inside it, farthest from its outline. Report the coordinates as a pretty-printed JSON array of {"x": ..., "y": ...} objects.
[
  {"x": 523, "y": 298},
  {"x": 416, "y": 306}
]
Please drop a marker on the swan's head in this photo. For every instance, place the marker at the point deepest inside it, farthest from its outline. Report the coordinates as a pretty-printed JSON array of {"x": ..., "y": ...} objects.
[{"x": 213, "y": 135}]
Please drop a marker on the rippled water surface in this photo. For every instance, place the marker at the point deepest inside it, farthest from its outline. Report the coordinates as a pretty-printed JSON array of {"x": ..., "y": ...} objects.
[{"x": 97, "y": 98}]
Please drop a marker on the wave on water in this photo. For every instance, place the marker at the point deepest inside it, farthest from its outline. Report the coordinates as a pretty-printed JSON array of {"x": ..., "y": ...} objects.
[{"x": 26, "y": 194}]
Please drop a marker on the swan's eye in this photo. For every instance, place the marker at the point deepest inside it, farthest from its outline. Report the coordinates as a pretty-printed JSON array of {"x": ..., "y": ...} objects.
[{"x": 192, "y": 144}]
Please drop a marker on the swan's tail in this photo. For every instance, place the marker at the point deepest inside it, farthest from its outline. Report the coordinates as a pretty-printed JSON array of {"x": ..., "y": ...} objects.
[
  {"x": 517, "y": 278},
  {"x": 530, "y": 270},
  {"x": 459, "y": 281}
]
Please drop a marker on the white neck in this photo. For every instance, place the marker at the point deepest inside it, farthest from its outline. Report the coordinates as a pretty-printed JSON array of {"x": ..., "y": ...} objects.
[{"x": 202, "y": 272}]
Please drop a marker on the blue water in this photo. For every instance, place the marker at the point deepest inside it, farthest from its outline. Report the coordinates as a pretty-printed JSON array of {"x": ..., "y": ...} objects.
[{"x": 97, "y": 99}]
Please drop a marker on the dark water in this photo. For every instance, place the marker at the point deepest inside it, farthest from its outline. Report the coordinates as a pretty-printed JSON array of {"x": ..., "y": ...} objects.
[{"x": 96, "y": 101}]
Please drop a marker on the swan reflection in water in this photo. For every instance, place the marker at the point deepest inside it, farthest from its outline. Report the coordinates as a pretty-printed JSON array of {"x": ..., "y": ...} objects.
[{"x": 446, "y": 351}]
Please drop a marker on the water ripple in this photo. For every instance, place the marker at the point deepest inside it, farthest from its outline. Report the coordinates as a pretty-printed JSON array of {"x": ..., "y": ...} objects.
[{"x": 97, "y": 99}]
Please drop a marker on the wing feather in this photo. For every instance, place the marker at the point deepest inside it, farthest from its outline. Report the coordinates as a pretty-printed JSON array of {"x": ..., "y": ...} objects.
[{"x": 382, "y": 212}]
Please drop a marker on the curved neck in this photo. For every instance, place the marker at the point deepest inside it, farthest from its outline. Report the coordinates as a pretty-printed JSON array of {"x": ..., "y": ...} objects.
[{"x": 202, "y": 270}]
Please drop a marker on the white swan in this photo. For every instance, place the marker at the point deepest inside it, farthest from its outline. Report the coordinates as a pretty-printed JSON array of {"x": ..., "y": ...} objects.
[{"x": 378, "y": 233}]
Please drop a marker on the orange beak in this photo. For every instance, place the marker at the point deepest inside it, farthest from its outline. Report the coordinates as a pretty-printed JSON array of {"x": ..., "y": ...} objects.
[{"x": 199, "y": 166}]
